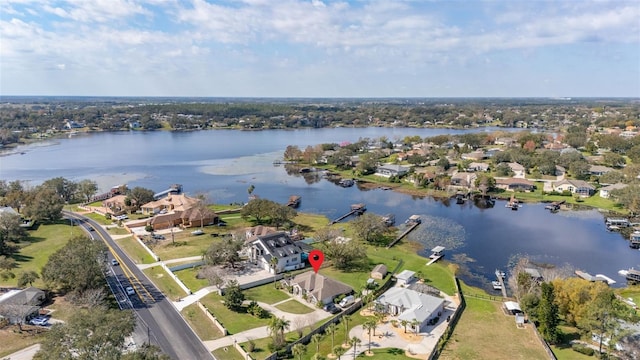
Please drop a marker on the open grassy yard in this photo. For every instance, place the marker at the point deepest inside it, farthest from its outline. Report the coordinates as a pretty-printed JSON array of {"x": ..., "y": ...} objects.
[
  {"x": 227, "y": 353},
  {"x": 185, "y": 245},
  {"x": 563, "y": 351},
  {"x": 294, "y": 307},
  {"x": 309, "y": 223},
  {"x": 234, "y": 322},
  {"x": 266, "y": 294},
  {"x": 165, "y": 283},
  {"x": 200, "y": 323},
  {"x": 135, "y": 251},
  {"x": 188, "y": 277},
  {"x": 41, "y": 243},
  {"x": 593, "y": 201},
  {"x": 439, "y": 275},
  {"x": 12, "y": 340},
  {"x": 485, "y": 332}
]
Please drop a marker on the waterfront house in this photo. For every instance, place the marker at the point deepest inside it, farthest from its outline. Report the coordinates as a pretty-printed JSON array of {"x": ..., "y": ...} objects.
[
  {"x": 115, "y": 205},
  {"x": 19, "y": 305},
  {"x": 514, "y": 184},
  {"x": 379, "y": 272},
  {"x": 172, "y": 202},
  {"x": 254, "y": 232},
  {"x": 315, "y": 287},
  {"x": 579, "y": 187},
  {"x": 410, "y": 305},
  {"x": 598, "y": 170},
  {"x": 518, "y": 170},
  {"x": 389, "y": 170},
  {"x": 505, "y": 141},
  {"x": 405, "y": 278},
  {"x": 463, "y": 180},
  {"x": 605, "y": 192},
  {"x": 277, "y": 246}
]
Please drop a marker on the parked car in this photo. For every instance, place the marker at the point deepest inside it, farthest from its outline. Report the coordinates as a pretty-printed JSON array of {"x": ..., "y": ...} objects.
[
  {"x": 158, "y": 236},
  {"x": 114, "y": 262},
  {"x": 39, "y": 320},
  {"x": 332, "y": 308},
  {"x": 130, "y": 290},
  {"x": 197, "y": 232},
  {"x": 346, "y": 301}
]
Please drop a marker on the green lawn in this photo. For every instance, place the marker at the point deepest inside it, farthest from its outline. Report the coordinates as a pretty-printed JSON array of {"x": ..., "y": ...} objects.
[
  {"x": 188, "y": 277},
  {"x": 100, "y": 219},
  {"x": 185, "y": 245},
  {"x": 200, "y": 323},
  {"x": 631, "y": 291},
  {"x": 41, "y": 243},
  {"x": 563, "y": 351},
  {"x": 234, "y": 322},
  {"x": 261, "y": 345},
  {"x": 294, "y": 307},
  {"x": 165, "y": 283},
  {"x": 135, "y": 251},
  {"x": 227, "y": 353},
  {"x": 117, "y": 231},
  {"x": 383, "y": 354},
  {"x": 593, "y": 201},
  {"x": 482, "y": 323},
  {"x": 266, "y": 294}
]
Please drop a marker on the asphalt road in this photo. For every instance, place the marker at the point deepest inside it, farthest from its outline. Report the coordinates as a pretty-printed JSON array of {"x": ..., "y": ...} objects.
[{"x": 159, "y": 322}]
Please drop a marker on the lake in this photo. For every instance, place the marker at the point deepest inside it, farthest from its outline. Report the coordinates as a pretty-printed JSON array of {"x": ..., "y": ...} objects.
[{"x": 222, "y": 164}]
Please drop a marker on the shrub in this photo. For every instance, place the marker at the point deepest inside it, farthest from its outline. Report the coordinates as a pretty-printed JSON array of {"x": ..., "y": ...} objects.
[{"x": 583, "y": 349}]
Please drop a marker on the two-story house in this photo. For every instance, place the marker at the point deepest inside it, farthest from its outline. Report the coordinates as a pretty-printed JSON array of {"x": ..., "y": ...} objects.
[{"x": 279, "y": 246}]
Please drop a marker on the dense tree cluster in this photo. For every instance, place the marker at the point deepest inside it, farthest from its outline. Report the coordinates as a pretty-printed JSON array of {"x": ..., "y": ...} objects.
[{"x": 24, "y": 116}]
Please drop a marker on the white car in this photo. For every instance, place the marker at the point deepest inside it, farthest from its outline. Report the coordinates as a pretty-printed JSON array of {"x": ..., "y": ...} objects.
[
  {"x": 130, "y": 290},
  {"x": 40, "y": 321},
  {"x": 114, "y": 262}
]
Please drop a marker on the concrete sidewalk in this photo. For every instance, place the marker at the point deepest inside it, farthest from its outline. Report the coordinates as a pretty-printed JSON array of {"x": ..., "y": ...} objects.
[{"x": 24, "y": 354}]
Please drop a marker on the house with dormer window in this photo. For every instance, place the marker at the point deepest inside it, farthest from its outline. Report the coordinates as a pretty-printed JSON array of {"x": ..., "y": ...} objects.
[{"x": 278, "y": 246}]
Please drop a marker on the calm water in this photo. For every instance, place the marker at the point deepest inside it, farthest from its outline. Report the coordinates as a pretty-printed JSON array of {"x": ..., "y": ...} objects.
[{"x": 222, "y": 164}]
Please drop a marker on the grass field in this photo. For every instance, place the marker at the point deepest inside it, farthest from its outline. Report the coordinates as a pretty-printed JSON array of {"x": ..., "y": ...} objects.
[
  {"x": 482, "y": 331},
  {"x": 11, "y": 340},
  {"x": 266, "y": 294},
  {"x": 294, "y": 307},
  {"x": 41, "y": 243},
  {"x": 227, "y": 353},
  {"x": 200, "y": 323},
  {"x": 135, "y": 251},
  {"x": 234, "y": 322},
  {"x": 188, "y": 277},
  {"x": 165, "y": 283},
  {"x": 185, "y": 245}
]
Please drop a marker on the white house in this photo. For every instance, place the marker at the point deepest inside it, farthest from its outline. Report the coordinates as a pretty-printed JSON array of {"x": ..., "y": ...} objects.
[
  {"x": 518, "y": 170},
  {"x": 579, "y": 187},
  {"x": 477, "y": 166},
  {"x": 389, "y": 170},
  {"x": 277, "y": 246},
  {"x": 406, "y": 277},
  {"x": 605, "y": 192},
  {"x": 410, "y": 305}
]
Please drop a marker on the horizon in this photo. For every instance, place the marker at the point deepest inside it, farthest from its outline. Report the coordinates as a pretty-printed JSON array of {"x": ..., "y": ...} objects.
[{"x": 313, "y": 49}]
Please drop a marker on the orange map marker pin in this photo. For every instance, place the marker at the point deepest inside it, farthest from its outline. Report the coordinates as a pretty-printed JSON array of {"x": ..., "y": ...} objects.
[{"x": 316, "y": 257}]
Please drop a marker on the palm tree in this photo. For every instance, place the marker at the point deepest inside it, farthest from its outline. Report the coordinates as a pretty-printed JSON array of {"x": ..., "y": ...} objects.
[
  {"x": 369, "y": 325},
  {"x": 298, "y": 350},
  {"x": 346, "y": 319},
  {"x": 274, "y": 263},
  {"x": 354, "y": 341},
  {"x": 404, "y": 323},
  {"x": 277, "y": 326},
  {"x": 318, "y": 357},
  {"x": 415, "y": 323},
  {"x": 380, "y": 316},
  {"x": 331, "y": 329},
  {"x": 339, "y": 350},
  {"x": 315, "y": 338}
]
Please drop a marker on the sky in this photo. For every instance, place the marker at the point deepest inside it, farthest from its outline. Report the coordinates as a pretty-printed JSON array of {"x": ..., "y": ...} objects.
[{"x": 320, "y": 48}]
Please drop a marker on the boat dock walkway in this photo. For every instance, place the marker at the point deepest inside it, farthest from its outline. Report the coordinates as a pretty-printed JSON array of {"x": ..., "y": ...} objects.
[
  {"x": 356, "y": 209},
  {"x": 436, "y": 254},
  {"x": 500, "y": 275},
  {"x": 407, "y": 231}
]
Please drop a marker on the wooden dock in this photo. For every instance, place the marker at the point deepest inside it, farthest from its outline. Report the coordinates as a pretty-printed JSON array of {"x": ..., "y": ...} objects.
[
  {"x": 500, "y": 275},
  {"x": 555, "y": 206},
  {"x": 436, "y": 254},
  {"x": 356, "y": 209},
  {"x": 407, "y": 231}
]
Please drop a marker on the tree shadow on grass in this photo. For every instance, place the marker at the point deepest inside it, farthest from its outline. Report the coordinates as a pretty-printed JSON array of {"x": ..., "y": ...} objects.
[{"x": 21, "y": 258}]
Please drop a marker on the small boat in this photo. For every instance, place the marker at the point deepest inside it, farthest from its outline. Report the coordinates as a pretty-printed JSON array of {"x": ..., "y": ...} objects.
[
  {"x": 496, "y": 285},
  {"x": 500, "y": 274},
  {"x": 294, "y": 201},
  {"x": 389, "y": 219},
  {"x": 459, "y": 199},
  {"x": 346, "y": 183}
]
